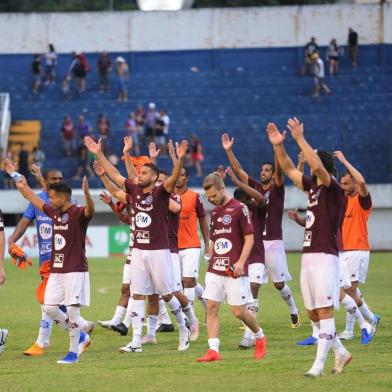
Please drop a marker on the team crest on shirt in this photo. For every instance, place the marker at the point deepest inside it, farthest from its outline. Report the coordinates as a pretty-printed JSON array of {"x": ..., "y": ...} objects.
[
  {"x": 226, "y": 219},
  {"x": 266, "y": 196},
  {"x": 64, "y": 218},
  {"x": 149, "y": 199}
]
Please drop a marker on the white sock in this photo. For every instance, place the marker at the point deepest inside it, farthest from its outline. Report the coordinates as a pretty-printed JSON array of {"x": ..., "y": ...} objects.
[
  {"x": 338, "y": 347},
  {"x": 189, "y": 313},
  {"x": 83, "y": 323},
  {"x": 367, "y": 313},
  {"x": 190, "y": 293},
  {"x": 74, "y": 328},
  {"x": 315, "y": 328},
  {"x": 285, "y": 293},
  {"x": 213, "y": 344},
  {"x": 176, "y": 310},
  {"x": 45, "y": 329},
  {"x": 128, "y": 314},
  {"x": 137, "y": 310},
  {"x": 352, "y": 309},
  {"x": 259, "y": 335},
  {"x": 253, "y": 308},
  {"x": 118, "y": 315},
  {"x": 324, "y": 343},
  {"x": 55, "y": 314},
  {"x": 152, "y": 321},
  {"x": 163, "y": 317}
]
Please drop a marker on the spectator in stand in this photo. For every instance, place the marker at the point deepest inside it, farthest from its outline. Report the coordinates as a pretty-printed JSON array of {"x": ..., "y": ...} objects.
[
  {"x": 197, "y": 155},
  {"x": 140, "y": 118},
  {"x": 150, "y": 123},
  {"x": 103, "y": 128},
  {"x": 333, "y": 57},
  {"x": 132, "y": 131},
  {"x": 84, "y": 128},
  {"x": 122, "y": 72},
  {"x": 69, "y": 136},
  {"x": 104, "y": 66},
  {"x": 38, "y": 157},
  {"x": 310, "y": 48},
  {"x": 84, "y": 164},
  {"x": 23, "y": 161},
  {"x": 51, "y": 62},
  {"x": 319, "y": 75},
  {"x": 36, "y": 69},
  {"x": 79, "y": 70},
  {"x": 352, "y": 44},
  {"x": 161, "y": 131}
]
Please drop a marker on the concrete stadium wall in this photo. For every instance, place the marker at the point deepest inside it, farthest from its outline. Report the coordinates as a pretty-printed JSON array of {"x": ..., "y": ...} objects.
[{"x": 194, "y": 29}]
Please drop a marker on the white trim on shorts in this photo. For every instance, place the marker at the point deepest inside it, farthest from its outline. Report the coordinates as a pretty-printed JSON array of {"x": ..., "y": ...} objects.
[
  {"x": 275, "y": 262},
  {"x": 256, "y": 272},
  {"x": 218, "y": 288},
  {"x": 71, "y": 288},
  {"x": 190, "y": 261},
  {"x": 151, "y": 272},
  {"x": 357, "y": 264},
  {"x": 320, "y": 284},
  {"x": 176, "y": 265}
]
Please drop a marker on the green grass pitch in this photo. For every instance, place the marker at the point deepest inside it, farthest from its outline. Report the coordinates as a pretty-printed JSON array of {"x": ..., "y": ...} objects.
[{"x": 162, "y": 368}]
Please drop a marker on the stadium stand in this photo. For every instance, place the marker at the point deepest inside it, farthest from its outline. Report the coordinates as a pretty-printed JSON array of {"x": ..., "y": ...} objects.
[{"x": 228, "y": 90}]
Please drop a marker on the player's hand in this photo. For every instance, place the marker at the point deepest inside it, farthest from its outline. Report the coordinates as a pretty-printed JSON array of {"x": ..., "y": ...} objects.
[
  {"x": 274, "y": 136},
  {"x": 227, "y": 143},
  {"x": 207, "y": 252},
  {"x": 293, "y": 215},
  {"x": 181, "y": 149},
  {"x": 170, "y": 147},
  {"x": 85, "y": 186},
  {"x": 296, "y": 128},
  {"x": 8, "y": 166},
  {"x": 238, "y": 269},
  {"x": 105, "y": 198},
  {"x": 2, "y": 275},
  {"x": 36, "y": 171},
  {"x": 340, "y": 156},
  {"x": 92, "y": 146},
  {"x": 127, "y": 144},
  {"x": 22, "y": 183},
  {"x": 221, "y": 171},
  {"x": 98, "y": 168},
  {"x": 233, "y": 177},
  {"x": 301, "y": 158},
  {"x": 153, "y": 151}
]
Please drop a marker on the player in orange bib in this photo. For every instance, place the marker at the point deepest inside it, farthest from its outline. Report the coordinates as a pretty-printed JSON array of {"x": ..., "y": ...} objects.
[{"x": 355, "y": 240}]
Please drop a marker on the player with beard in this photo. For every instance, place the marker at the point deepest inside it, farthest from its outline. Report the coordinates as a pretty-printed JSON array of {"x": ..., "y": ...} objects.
[
  {"x": 273, "y": 190},
  {"x": 320, "y": 264},
  {"x": 231, "y": 236}
]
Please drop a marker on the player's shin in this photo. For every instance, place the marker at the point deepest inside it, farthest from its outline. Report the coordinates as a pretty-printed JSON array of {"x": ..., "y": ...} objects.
[
  {"x": 74, "y": 328},
  {"x": 137, "y": 310},
  {"x": 352, "y": 310},
  {"x": 128, "y": 314},
  {"x": 324, "y": 343},
  {"x": 176, "y": 310},
  {"x": 57, "y": 315},
  {"x": 45, "y": 329},
  {"x": 288, "y": 298}
]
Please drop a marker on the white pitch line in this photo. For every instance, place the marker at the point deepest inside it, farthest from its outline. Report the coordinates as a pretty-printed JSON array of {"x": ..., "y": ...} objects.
[{"x": 103, "y": 290}]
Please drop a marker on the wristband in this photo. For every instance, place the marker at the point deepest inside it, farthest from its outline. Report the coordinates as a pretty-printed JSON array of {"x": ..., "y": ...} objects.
[{"x": 16, "y": 176}]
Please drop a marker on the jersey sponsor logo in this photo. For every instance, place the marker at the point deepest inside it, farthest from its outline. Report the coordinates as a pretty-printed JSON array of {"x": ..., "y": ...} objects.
[
  {"x": 45, "y": 231},
  {"x": 142, "y": 236},
  {"x": 59, "y": 242},
  {"x": 222, "y": 246},
  {"x": 222, "y": 231},
  {"x": 141, "y": 208},
  {"x": 58, "y": 261},
  {"x": 246, "y": 213},
  {"x": 42, "y": 218},
  {"x": 220, "y": 263},
  {"x": 310, "y": 219},
  {"x": 46, "y": 247},
  {"x": 60, "y": 227},
  {"x": 64, "y": 218},
  {"x": 142, "y": 220},
  {"x": 307, "y": 238}
]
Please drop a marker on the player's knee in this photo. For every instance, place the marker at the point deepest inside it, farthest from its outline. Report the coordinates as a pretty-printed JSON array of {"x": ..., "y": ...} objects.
[
  {"x": 237, "y": 311},
  {"x": 189, "y": 282},
  {"x": 50, "y": 310}
]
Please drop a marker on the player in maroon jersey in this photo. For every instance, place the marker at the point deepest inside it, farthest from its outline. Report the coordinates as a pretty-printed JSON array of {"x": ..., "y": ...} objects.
[
  {"x": 271, "y": 186},
  {"x": 319, "y": 264},
  {"x": 231, "y": 241}
]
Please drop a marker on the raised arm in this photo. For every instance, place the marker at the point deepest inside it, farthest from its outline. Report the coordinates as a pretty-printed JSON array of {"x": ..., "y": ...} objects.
[
  {"x": 113, "y": 189},
  {"x": 110, "y": 170},
  {"x": 278, "y": 175},
  {"x": 170, "y": 182},
  {"x": 277, "y": 139},
  {"x": 131, "y": 171},
  {"x": 89, "y": 210},
  {"x": 255, "y": 195},
  {"x": 297, "y": 132},
  {"x": 172, "y": 153},
  {"x": 153, "y": 152},
  {"x": 358, "y": 177},
  {"x": 301, "y": 162},
  {"x": 36, "y": 172},
  {"x": 227, "y": 145}
]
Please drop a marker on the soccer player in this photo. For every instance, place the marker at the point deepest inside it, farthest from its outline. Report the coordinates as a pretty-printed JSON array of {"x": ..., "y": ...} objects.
[
  {"x": 69, "y": 281},
  {"x": 45, "y": 238},
  {"x": 255, "y": 202},
  {"x": 231, "y": 236},
  {"x": 3, "y": 331},
  {"x": 192, "y": 213},
  {"x": 272, "y": 188},
  {"x": 355, "y": 240},
  {"x": 320, "y": 263},
  {"x": 151, "y": 269}
]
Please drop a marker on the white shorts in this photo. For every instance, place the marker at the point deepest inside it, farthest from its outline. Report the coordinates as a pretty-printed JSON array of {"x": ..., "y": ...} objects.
[
  {"x": 256, "y": 272},
  {"x": 218, "y": 288},
  {"x": 126, "y": 274},
  {"x": 357, "y": 263},
  {"x": 151, "y": 272},
  {"x": 190, "y": 260},
  {"x": 176, "y": 265},
  {"x": 275, "y": 262},
  {"x": 320, "y": 280},
  {"x": 72, "y": 288},
  {"x": 344, "y": 276}
]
